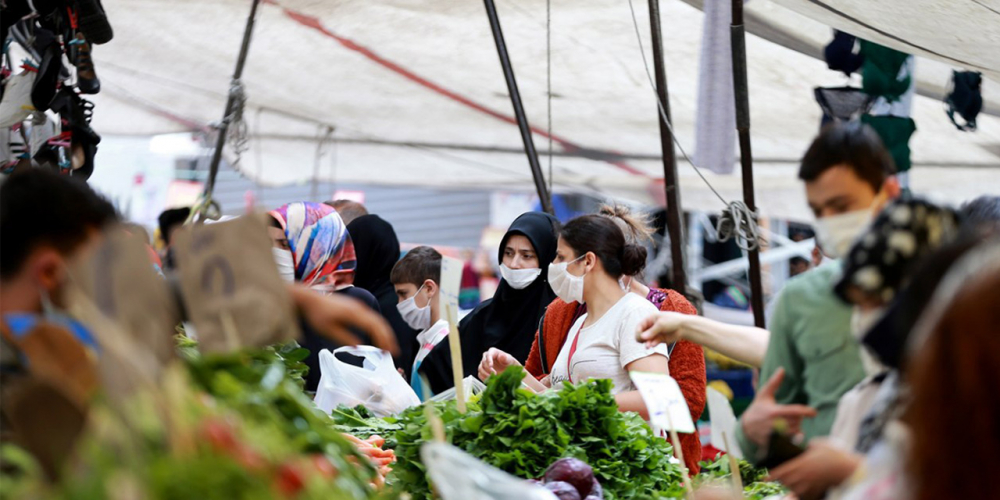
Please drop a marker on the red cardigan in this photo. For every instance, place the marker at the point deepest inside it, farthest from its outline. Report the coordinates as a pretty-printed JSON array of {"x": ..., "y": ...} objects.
[{"x": 687, "y": 362}]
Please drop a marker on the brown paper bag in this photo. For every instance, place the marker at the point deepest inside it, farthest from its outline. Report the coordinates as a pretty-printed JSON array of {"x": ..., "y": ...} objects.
[
  {"x": 118, "y": 277},
  {"x": 231, "y": 287}
]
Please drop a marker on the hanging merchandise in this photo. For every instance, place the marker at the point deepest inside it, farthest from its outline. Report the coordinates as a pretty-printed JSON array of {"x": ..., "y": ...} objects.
[
  {"x": 965, "y": 98},
  {"x": 715, "y": 122},
  {"x": 840, "y": 54},
  {"x": 881, "y": 71},
  {"x": 895, "y": 132},
  {"x": 842, "y": 103}
]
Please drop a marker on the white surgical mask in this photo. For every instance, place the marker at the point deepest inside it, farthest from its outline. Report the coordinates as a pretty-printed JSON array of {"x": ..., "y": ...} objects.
[
  {"x": 419, "y": 318},
  {"x": 836, "y": 233},
  {"x": 519, "y": 279},
  {"x": 568, "y": 287},
  {"x": 861, "y": 322},
  {"x": 286, "y": 264}
]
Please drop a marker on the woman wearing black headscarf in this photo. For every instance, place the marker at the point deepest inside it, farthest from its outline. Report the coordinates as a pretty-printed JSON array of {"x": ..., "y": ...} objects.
[
  {"x": 509, "y": 320},
  {"x": 377, "y": 249}
]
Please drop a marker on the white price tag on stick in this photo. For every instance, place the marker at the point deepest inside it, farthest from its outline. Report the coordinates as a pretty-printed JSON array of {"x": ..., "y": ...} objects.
[
  {"x": 451, "y": 282},
  {"x": 231, "y": 287},
  {"x": 723, "y": 423},
  {"x": 664, "y": 400}
]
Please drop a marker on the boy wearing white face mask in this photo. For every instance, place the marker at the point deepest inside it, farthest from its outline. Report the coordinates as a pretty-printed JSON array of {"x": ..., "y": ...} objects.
[{"x": 415, "y": 278}]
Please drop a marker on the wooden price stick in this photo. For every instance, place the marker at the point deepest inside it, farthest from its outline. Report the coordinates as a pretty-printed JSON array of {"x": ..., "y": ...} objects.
[
  {"x": 734, "y": 467},
  {"x": 457, "y": 370},
  {"x": 676, "y": 440},
  {"x": 437, "y": 425}
]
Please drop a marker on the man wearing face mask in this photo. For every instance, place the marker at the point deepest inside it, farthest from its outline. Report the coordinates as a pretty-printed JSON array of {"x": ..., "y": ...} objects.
[
  {"x": 811, "y": 357},
  {"x": 415, "y": 278}
]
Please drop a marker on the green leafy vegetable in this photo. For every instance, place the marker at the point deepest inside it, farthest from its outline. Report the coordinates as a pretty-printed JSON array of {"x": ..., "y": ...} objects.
[{"x": 522, "y": 433}]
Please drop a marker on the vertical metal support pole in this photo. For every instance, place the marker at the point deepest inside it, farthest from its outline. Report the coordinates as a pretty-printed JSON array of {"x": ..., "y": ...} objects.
[
  {"x": 220, "y": 141},
  {"x": 515, "y": 100},
  {"x": 738, "y": 39},
  {"x": 675, "y": 224}
]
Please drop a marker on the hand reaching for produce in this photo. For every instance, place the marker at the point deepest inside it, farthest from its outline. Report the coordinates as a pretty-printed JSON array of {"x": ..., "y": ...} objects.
[
  {"x": 495, "y": 361},
  {"x": 822, "y": 466},
  {"x": 758, "y": 419},
  {"x": 333, "y": 315}
]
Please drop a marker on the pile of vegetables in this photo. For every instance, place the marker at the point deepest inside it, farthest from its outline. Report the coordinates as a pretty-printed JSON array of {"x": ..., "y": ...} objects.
[
  {"x": 718, "y": 472},
  {"x": 521, "y": 432},
  {"x": 572, "y": 479},
  {"x": 235, "y": 426}
]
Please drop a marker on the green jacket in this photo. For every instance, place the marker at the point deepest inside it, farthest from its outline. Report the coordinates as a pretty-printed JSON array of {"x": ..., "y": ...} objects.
[{"x": 811, "y": 338}]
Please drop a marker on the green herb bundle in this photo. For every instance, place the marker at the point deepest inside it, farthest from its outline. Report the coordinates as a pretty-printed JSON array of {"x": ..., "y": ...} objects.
[{"x": 522, "y": 433}]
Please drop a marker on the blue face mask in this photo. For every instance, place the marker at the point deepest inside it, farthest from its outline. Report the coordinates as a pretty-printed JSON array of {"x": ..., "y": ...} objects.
[{"x": 21, "y": 324}]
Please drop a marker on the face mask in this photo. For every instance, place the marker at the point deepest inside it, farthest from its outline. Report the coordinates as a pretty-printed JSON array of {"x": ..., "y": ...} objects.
[
  {"x": 836, "y": 233},
  {"x": 519, "y": 279},
  {"x": 568, "y": 287},
  {"x": 419, "y": 318},
  {"x": 861, "y": 323},
  {"x": 286, "y": 264}
]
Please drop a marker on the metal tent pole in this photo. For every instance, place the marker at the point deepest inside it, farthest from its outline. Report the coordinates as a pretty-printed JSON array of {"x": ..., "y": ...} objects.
[
  {"x": 515, "y": 100},
  {"x": 675, "y": 223},
  {"x": 220, "y": 141},
  {"x": 738, "y": 40}
]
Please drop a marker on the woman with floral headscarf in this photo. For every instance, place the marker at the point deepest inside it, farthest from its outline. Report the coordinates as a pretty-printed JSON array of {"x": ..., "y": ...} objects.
[{"x": 312, "y": 247}]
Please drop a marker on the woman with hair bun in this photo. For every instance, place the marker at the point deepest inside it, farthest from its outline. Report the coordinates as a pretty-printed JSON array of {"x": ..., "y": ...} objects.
[
  {"x": 686, "y": 359},
  {"x": 592, "y": 257}
]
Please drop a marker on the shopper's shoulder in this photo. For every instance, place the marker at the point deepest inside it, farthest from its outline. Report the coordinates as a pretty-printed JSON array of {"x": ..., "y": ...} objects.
[
  {"x": 634, "y": 304},
  {"x": 821, "y": 278}
]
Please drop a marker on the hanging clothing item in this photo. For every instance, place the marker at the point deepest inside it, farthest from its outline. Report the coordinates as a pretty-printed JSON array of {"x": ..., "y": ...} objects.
[
  {"x": 881, "y": 71},
  {"x": 965, "y": 98},
  {"x": 840, "y": 54},
  {"x": 321, "y": 246},
  {"x": 377, "y": 249},
  {"x": 715, "y": 122},
  {"x": 509, "y": 320},
  {"x": 895, "y": 132}
]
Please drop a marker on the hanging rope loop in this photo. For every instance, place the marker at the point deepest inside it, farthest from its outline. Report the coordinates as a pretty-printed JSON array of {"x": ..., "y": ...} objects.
[
  {"x": 238, "y": 133},
  {"x": 739, "y": 223}
]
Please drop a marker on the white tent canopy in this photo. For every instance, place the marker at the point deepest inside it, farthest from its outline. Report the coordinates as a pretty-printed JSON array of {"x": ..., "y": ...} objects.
[{"x": 415, "y": 95}]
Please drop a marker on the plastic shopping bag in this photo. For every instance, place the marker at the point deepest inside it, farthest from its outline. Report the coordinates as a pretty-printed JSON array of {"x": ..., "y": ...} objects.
[
  {"x": 471, "y": 385},
  {"x": 459, "y": 476},
  {"x": 376, "y": 385}
]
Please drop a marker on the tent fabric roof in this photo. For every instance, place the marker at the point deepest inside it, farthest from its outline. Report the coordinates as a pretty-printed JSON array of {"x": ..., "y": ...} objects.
[{"x": 415, "y": 95}]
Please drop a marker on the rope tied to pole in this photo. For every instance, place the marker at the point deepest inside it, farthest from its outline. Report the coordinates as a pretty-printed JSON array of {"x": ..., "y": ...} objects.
[
  {"x": 739, "y": 223},
  {"x": 737, "y": 220},
  {"x": 238, "y": 132}
]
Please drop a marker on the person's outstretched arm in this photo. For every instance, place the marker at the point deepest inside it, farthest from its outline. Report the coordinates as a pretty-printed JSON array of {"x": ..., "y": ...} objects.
[{"x": 745, "y": 344}]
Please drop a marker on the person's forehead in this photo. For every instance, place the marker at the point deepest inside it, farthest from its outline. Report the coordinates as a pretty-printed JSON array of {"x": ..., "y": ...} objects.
[
  {"x": 839, "y": 182},
  {"x": 519, "y": 242}
]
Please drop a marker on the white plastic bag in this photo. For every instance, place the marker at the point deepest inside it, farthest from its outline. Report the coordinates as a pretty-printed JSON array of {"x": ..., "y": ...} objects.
[
  {"x": 459, "y": 476},
  {"x": 377, "y": 385},
  {"x": 471, "y": 385}
]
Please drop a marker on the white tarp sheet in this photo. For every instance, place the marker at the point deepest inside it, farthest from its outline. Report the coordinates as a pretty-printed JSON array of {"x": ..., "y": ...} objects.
[{"x": 415, "y": 94}]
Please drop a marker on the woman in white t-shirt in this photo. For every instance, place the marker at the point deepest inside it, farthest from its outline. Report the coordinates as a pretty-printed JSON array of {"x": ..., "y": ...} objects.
[{"x": 591, "y": 258}]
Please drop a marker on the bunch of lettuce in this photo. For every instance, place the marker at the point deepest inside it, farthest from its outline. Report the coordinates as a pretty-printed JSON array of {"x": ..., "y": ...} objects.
[{"x": 522, "y": 433}]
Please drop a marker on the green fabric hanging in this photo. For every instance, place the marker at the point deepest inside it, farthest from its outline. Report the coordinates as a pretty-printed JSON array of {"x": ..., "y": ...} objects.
[
  {"x": 895, "y": 133},
  {"x": 880, "y": 71}
]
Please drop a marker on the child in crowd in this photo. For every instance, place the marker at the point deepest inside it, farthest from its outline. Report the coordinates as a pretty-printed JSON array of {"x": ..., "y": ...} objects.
[{"x": 415, "y": 278}]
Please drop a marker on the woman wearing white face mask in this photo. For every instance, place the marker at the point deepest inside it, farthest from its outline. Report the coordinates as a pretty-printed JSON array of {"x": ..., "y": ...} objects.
[
  {"x": 509, "y": 320},
  {"x": 311, "y": 246},
  {"x": 592, "y": 257}
]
